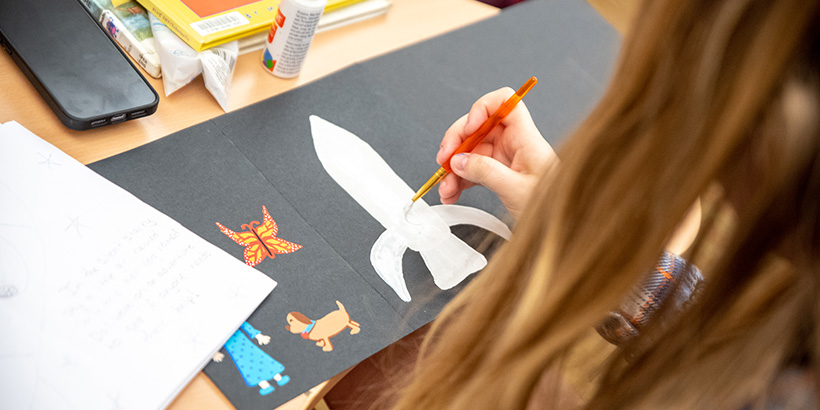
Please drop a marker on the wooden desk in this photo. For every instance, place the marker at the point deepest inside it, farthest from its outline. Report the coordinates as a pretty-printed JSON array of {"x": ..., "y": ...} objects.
[{"x": 408, "y": 22}]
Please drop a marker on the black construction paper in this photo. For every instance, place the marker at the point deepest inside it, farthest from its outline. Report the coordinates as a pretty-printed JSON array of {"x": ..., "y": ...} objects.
[{"x": 226, "y": 169}]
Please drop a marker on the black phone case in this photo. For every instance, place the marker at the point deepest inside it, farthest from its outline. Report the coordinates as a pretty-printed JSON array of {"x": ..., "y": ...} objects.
[{"x": 83, "y": 75}]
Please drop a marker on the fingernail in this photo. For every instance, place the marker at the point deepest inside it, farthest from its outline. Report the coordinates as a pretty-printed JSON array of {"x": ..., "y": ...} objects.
[{"x": 459, "y": 161}]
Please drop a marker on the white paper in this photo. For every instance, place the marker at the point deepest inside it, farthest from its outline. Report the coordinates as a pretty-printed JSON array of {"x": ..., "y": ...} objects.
[
  {"x": 362, "y": 172},
  {"x": 105, "y": 303},
  {"x": 181, "y": 63}
]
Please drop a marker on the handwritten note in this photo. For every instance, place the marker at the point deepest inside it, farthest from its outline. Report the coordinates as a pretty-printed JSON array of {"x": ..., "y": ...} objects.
[{"x": 105, "y": 303}]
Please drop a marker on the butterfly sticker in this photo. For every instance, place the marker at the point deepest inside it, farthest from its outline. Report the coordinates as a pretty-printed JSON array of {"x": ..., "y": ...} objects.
[{"x": 260, "y": 241}]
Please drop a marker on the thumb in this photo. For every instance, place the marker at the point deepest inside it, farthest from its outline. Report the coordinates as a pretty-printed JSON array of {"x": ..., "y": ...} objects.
[{"x": 483, "y": 170}]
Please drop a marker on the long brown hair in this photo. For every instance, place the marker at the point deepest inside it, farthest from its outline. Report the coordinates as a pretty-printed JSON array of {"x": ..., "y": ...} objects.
[{"x": 711, "y": 99}]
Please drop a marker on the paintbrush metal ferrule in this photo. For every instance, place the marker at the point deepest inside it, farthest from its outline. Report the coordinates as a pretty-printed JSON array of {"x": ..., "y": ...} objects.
[{"x": 441, "y": 173}]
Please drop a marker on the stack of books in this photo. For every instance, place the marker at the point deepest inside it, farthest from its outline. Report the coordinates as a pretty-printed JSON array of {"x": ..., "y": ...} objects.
[
  {"x": 350, "y": 12},
  {"x": 203, "y": 24}
]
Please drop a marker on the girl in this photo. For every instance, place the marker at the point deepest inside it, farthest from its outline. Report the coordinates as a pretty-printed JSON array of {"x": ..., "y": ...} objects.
[{"x": 712, "y": 100}]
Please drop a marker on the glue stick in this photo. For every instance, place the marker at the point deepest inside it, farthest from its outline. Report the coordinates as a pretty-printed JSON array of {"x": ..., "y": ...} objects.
[{"x": 290, "y": 36}]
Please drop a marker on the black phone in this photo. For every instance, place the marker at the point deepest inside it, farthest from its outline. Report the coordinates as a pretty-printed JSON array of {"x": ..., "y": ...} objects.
[{"x": 78, "y": 69}]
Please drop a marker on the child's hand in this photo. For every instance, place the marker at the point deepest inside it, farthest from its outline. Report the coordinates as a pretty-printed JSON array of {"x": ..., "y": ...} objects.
[
  {"x": 262, "y": 339},
  {"x": 509, "y": 161},
  {"x": 218, "y": 356}
]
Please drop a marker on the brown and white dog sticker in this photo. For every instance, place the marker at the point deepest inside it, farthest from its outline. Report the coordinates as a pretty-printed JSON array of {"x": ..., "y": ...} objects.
[{"x": 321, "y": 330}]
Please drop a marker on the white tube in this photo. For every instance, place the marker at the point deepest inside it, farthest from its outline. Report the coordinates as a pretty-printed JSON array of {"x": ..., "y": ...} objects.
[{"x": 290, "y": 36}]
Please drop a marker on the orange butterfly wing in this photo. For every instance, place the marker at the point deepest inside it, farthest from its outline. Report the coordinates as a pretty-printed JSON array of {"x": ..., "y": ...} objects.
[
  {"x": 241, "y": 238},
  {"x": 268, "y": 227},
  {"x": 267, "y": 231},
  {"x": 280, "y": 246},
  {"x": 256, "y": 251}
]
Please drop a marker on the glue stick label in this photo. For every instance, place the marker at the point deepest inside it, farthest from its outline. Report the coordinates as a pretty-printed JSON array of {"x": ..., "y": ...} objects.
[{"x": 290, "y": 36}]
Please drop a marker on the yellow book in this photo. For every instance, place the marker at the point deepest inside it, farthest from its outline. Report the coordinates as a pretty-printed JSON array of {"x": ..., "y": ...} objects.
[{"x": 203, "y": 23}]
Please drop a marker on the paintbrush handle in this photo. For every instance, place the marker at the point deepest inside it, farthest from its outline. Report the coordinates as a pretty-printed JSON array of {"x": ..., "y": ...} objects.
[{"x": 472, "y": 140}]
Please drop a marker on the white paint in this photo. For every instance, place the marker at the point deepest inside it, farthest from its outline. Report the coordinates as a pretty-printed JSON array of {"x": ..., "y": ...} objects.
[
  {"x": 464, "y": 215},
  {"x": 362, "y": 172},
  {"x": 386, "y": 255}
]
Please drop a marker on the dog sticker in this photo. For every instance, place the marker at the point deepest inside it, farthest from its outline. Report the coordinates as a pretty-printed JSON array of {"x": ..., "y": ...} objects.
[{"x": 321, "y": 330}]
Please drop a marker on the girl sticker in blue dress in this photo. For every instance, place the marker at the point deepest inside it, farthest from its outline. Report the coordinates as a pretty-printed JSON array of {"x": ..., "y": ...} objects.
[{"x": 256, "y": 367}]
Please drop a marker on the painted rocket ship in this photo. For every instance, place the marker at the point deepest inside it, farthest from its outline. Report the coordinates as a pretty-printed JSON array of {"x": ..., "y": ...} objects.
[{"x": 425, "y": 229}]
